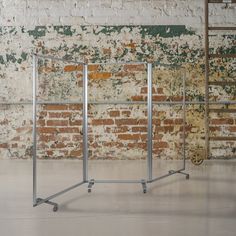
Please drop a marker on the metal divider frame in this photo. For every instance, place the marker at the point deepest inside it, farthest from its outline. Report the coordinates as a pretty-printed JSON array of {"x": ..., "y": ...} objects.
[
  {"x": 38, "y": 201},
  {"x": 183, "y": 168}
]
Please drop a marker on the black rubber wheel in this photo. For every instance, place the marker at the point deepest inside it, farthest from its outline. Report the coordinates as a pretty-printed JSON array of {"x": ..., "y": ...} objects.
[
  {"x": 187, "y": 176},
  {"x": 55, "y": 208},
  {"x": 89, "y": 190},
  {"x": 144, "y": 191}
]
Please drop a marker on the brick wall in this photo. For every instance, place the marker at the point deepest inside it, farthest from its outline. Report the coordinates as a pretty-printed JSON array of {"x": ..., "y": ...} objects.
[{"x": 168, "y": 33}]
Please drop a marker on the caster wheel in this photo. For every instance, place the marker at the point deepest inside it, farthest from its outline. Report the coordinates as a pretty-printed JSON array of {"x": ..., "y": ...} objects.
[
  {"x": 55, "y": 208},
  {"x": 89, "y": 190},
  {"x": 197, "y": 161},
  {"x": 144, "y": 191},
  {"x": 187, "y": 176}
]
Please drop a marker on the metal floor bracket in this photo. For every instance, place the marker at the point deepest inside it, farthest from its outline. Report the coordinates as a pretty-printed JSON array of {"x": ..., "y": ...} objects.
[
  {"x": 40, "y": 201},
  {"x": 144, "y": 185},
  {"x": 90, "y": 185}
]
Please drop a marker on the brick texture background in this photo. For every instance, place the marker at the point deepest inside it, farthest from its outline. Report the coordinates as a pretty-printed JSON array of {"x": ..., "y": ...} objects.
[{"x": 167, "y": 33}]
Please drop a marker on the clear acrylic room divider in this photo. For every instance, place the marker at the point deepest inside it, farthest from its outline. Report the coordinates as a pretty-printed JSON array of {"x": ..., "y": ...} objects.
[{"x": 86, "y": 178}]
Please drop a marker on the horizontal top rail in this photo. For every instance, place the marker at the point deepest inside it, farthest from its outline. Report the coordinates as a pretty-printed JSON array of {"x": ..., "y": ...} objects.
[
  {"x": 118, "y": 102},
  {"x": 221, "y": 1},
  {"x": 119, "y": 63},
  {"x": 229, "y": 28},
  {"x": 217, "y": 55},
  {"x": 58, "y": 59},
  {"x": 90, "y": 63}
]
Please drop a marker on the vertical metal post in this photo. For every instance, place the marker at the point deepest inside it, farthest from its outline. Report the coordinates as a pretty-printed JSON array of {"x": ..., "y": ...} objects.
[
  {"x": 184, "y": 120},
  {"x": 85, "y": 123},
  {"x": 150, "y": 107},
  {"x": 207, "y": 67},
  {"x": 35, "y": 75}
]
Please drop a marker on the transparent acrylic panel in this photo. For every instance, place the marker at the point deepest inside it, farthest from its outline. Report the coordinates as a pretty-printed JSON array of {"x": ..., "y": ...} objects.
[
  {"x": 118, "y": 132},
  {"x": 59, "y": 126},
  {"x": 168, "y": 119}
]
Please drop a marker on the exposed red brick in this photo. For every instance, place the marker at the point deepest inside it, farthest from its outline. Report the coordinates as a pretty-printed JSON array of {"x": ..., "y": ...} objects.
[
  {"x": 102, "y": 122},
  {"x": 80, "y": 82},
  {"x": 138, "y": 145},
  {"x": 173, "y": 121},
  {"x": 41, "y": 122},
  {"x": 213, "y": 129},
  {"x": 157, "y": 136},
  {"x": 123, "y": 74},
  {"x": 47, "y": 137},
  {"x": 75, "y": 153},
  {"x": 4, "y": 145},
  {"x": 49, "y": 152},
  {"x": 222, "y": 121},
  {"x": 139, "y": 129},
  {"x": 130, "y": 67},
  {"x": 75, "y": 122},
  {"x": 126, "y": 121},
  {"x": 24, "y": 129},
  {"x": 156, "y": 121},
  {"x": 113, "y": 144},
  {"x": 144, "y": 90},
  {"x": 100, "y": 75},
  {"x": 160, "y": 145},
  {"x": 71, "y": 68},
  {"x": 132, "y": 137},
  {"x": 188, "y": 128},
  {"x": 74, "y": 107},
  {"x": 57, "y": 123},
  {"x": 176, "y": 98},
  {"x": 121, "y": 129},
  {"x": 159, "y": 98},
  {"x": 114, "y": 113},
  {"x": 48, "y": 130},
  {"x": 126, "y": 113},
  {"x": 93, "y": 67},
  {"x": 69, "y": 130},
  {"x": 143, "y": 121},
  {"x": 58, "y": 145},
  {"x": 232, "y": 129},
  {"x": 107, "y": 51},
  {"x": 138, "y": 98},
  {"x": 56, "y": 107},
  {"x": 160, "y": 91}
]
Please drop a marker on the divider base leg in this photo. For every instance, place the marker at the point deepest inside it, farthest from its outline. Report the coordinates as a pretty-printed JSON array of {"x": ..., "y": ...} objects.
[{"x": 40, "y": 201}]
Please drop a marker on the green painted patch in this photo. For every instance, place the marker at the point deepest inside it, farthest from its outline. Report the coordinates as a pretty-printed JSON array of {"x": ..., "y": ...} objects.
[
  {"x": 11, "y": 58},
  {"x": 64, "y": 30},
  {"x": 24, "y": 55},
  {"x": 2, "y": 60},
  {"x": 38, "y": 31},
  {"x": 108, "y": 30},
  {"x": 165, "y": 31}
]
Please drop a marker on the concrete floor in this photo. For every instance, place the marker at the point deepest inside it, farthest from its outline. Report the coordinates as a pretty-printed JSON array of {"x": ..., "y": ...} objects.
[{"x": 204, "y": 205}]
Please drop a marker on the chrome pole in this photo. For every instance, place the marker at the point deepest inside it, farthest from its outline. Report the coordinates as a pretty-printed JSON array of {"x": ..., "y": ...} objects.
[
  {"x": 35, "y": 75},
  {"x": 184, "y": 119},
  {"x": 85, "y": 123},
  {"x": 150, "y": 106}
]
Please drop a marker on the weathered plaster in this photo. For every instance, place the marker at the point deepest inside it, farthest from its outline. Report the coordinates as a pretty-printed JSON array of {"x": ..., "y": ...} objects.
[{"x": 168, "y": 47}]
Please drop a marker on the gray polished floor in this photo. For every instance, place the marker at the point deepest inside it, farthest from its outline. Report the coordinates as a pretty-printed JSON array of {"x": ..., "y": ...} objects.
[{"x": 205, "y": 205}]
